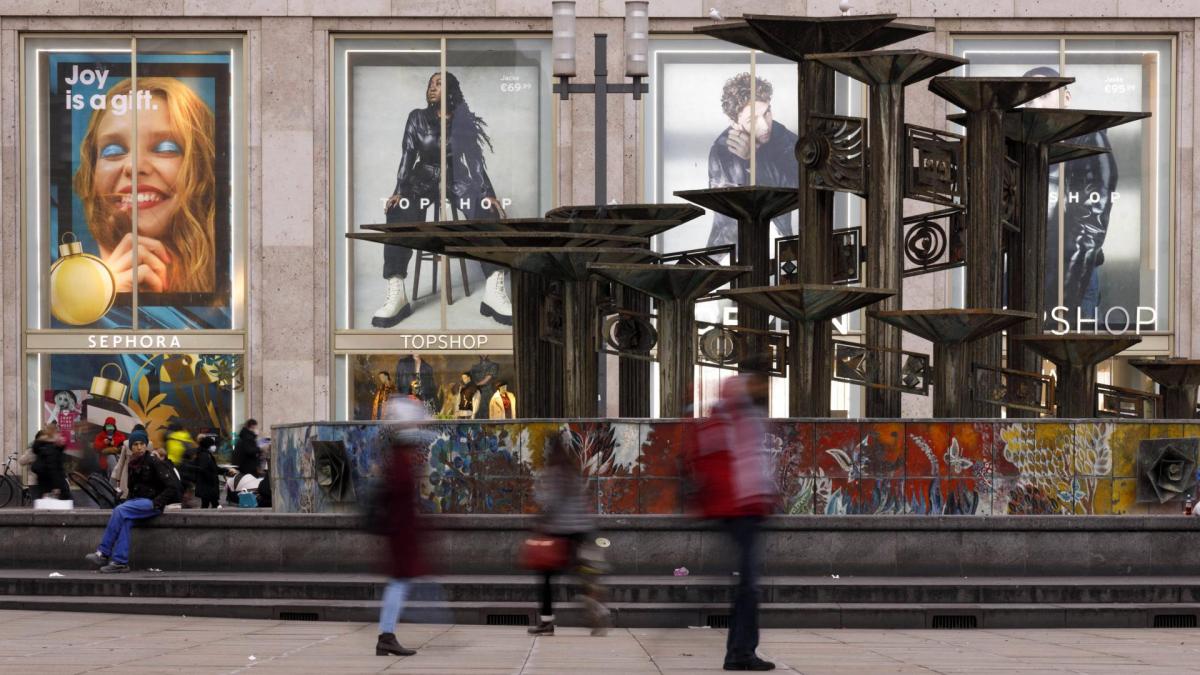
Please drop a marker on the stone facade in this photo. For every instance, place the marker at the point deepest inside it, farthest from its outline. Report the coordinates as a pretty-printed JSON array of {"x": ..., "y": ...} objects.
[{"x": 288, "y": 327}]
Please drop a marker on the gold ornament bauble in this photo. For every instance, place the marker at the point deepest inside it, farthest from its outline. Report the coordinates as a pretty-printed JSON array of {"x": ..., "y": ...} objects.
[
  {"x": 82, "y": 288},
  {"x": 109, "y": 388}
]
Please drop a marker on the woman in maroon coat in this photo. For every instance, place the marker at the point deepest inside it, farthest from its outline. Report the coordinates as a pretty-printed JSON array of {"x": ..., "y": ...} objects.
[{"x": 402, "y": 526}]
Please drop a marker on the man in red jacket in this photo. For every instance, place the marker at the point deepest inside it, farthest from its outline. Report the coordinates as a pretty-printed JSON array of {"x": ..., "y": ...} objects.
[
  {"x": 736, "y": 486},
  {"x": 108, "y": 442}
]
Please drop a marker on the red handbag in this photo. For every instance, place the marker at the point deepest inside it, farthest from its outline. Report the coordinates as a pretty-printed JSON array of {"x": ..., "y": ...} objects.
[{"x": 544, "y": 553}]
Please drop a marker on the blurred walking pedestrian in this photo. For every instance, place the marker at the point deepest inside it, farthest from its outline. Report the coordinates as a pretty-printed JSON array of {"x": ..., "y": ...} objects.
[
  {"x": 733, "y": 471},
  {"x": 559, "y": 492},
  {"x": 152, "y": 485},
  {"x": 48, "y": 449},
  {"x": 179, "y": 442},
  {"x": 246, "y": 451},
  {"x": 393, "y": 514}
]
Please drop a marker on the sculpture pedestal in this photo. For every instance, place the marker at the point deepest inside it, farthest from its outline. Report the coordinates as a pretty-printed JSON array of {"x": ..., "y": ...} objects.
[
  {"x": 1177, "y": 380},
  {"x": 1075, "y": 358},
  {"x": 808, "y": 308},
  {"x": 676, "y": 288},
  {"x": 951, "y": 331}
]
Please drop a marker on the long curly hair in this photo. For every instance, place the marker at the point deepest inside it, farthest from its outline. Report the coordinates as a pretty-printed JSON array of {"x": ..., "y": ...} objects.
[
  {"x": 190, "y": 238},
  {"x": 467, "y": 131}
]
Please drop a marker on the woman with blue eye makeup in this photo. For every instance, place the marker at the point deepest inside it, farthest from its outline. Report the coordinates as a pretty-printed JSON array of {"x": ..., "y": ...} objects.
[{"x": 176, "y": 187}]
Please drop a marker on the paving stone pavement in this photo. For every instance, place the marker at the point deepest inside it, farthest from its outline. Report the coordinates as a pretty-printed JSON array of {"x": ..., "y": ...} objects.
[{"x": 53, "y": 643}]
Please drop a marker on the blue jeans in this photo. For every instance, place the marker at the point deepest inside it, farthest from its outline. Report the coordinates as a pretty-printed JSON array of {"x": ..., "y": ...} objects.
[
  {"x": 393, "y": 604},
  {"x": 115, "y": 544}
]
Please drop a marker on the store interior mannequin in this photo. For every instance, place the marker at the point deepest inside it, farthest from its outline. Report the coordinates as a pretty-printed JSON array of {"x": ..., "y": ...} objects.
[{"x": 503, "y": 405}]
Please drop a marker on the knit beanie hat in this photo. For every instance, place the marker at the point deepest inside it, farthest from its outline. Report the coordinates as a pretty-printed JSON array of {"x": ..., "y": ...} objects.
[{"x": 138, "y": 436}]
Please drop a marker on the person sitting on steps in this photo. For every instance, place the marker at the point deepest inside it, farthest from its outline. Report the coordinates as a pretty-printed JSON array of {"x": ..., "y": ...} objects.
[{"x": 152, "y": 486}]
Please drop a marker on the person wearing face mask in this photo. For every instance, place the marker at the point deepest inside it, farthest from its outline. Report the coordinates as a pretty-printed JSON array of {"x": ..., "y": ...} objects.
[
  {"x": 729, "y": 157},
  {"x": 152, "y": 486},
  {"x": 246, "y": 451},
  {"x": 204, "y": 473},
  {"x": 176, "y": 187},
  {"x": 108, "y": 444}
]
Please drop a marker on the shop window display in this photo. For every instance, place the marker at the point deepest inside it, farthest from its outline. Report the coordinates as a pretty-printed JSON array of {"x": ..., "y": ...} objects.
[
  {"x": 79, "y": 392},
  {"x": 1108, "y": 264},
  {"x": 451, "y": 387},
  {"x": 434, "y": 130},
  {"x": 133, "y": 233},
  {"x": 115, "y": 247}
]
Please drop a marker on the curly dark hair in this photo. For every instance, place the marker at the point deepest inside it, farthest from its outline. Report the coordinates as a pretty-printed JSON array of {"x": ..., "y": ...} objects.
[{"x": 736, "y": 93}]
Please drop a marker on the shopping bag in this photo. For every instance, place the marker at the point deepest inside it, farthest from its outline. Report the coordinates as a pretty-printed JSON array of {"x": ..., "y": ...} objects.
[
  {"x": 544, "y": 553},
  {"x": 52, "y": 504}
]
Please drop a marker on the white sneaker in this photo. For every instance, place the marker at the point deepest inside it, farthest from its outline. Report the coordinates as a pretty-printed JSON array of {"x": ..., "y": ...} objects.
[
  {"x": 395, "y": 308},
  {"x": 496, "y": 303}
]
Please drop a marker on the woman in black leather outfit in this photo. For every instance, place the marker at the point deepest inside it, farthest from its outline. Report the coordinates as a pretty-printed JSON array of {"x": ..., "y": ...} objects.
[{"x": 468, "y": 189}]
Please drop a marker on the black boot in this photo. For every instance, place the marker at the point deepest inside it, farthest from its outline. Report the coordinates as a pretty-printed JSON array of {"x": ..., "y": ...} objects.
[
  {"x": 387, "y": 645},
  {"x": 542, "y": 628}
]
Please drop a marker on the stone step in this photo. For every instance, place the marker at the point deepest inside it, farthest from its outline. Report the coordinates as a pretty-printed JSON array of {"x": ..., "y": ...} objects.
[
  {"x": 523, "y": 588},
  {"x": 652, "y": 615}
]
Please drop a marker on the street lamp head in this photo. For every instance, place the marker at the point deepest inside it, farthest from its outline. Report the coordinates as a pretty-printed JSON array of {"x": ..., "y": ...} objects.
[
  {"x": 637, "y": 37},
  {"x": 563, "y": 43}
]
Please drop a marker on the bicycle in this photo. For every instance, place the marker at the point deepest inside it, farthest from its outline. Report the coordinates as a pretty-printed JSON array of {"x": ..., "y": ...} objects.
[{"x": 11, "y": 485}]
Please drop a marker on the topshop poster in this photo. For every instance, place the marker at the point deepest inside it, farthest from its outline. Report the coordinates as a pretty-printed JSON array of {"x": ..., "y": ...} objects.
[
  {"x": 395, "y": 99},
  {"x": 1109, "y": 217},
  {"x": 155, "y": 151}
]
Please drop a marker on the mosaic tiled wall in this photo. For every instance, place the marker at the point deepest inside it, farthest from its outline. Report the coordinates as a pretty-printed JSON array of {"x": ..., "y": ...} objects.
[{"x": 823, "y": 467}]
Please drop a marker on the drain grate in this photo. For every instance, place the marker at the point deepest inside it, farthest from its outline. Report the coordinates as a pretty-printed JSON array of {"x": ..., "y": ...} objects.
[
  {"x": 717, "y": 621},
  {"x": 508, "y": 619},
  {"x": 955, "y": 621},
  {"x": 1175, "y": 621},
  {"x": 299, "y": 616}
]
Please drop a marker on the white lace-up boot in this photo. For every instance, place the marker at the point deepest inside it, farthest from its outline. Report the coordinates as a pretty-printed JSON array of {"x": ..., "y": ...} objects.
[
  {"x": 496, "y": 303},
  {"x": 395, "y": 308}
]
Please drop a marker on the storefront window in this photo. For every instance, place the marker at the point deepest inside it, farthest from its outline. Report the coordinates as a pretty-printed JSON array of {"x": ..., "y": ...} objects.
[
  {"x": 1110, "y": 218},
  {"x": 707, "y": 101},
  {"x": 134, "y": 228},
  {"x": 463, "y": 387},
  {"x": 80, "y": 392},
  {"x": 428, "y": 130}
]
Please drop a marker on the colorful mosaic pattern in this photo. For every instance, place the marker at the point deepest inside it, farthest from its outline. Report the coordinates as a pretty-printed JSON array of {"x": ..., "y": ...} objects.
[{"x": 823, "y": 467}]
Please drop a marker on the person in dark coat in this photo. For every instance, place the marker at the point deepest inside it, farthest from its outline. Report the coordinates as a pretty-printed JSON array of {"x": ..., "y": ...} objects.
[
  {"x": 245, "y": 451},
  {"x": 402, "y": 527},
  {"x": 152, "y": 486},
  {"x": 48, "y": 448},
  {"x": 205, "y": 473}
]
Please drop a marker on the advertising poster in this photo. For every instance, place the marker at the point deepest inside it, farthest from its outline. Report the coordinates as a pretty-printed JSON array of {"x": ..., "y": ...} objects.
[
  {"x": 1108, "y": 221},
  {"x": 449, "y": 386},
  {"x": 197, "y": 391},
  {"x": 496, "y": 164},
  {"x": 155, "y": 152}
]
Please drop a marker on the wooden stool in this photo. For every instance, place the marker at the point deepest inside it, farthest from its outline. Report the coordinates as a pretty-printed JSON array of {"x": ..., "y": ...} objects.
[{"x": 426, "y": 256}]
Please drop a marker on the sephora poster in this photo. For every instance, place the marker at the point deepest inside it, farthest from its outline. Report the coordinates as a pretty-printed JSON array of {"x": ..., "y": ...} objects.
[
  {"x": 495, "y": 95},
  {"x": 155, "y": 151},
  {"x": 1109, "y": 217},
  {"x": 198, "y": 391}
]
